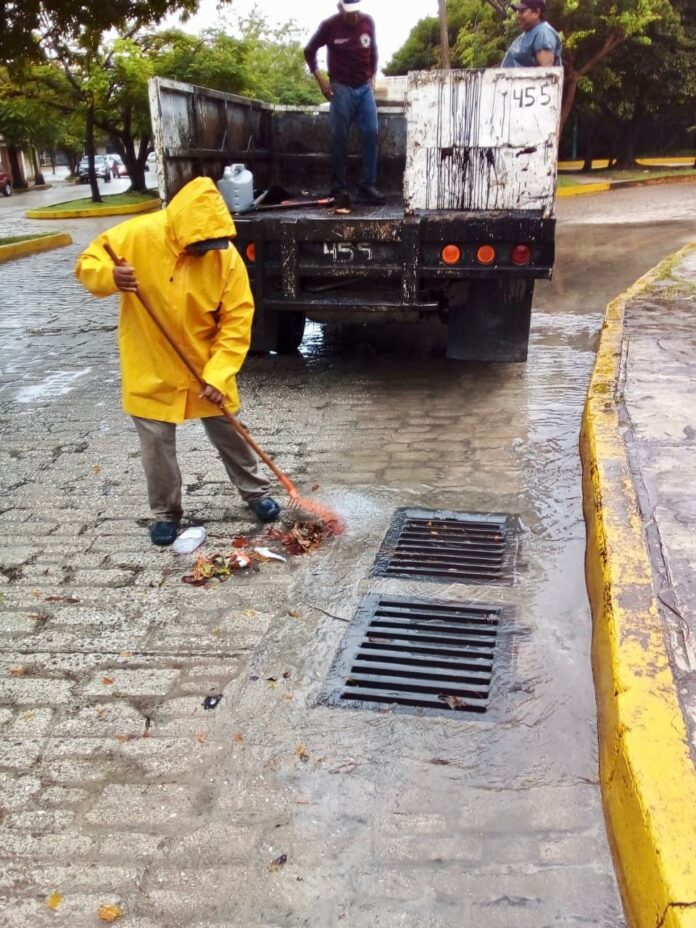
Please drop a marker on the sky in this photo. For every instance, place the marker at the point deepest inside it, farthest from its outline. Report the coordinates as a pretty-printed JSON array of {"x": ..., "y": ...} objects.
[{"x": 393, "y": 18}]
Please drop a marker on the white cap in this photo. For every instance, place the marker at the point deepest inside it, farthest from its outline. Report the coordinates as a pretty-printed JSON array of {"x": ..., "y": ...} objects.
[{"x": 351, "y": 6}]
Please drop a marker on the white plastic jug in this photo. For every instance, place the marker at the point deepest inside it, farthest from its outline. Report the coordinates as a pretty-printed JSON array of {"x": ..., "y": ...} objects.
[{"x": 237, "y": 187}]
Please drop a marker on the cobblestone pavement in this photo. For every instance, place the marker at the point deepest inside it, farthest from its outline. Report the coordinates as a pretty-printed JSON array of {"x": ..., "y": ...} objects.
[{"x": 118, "y": 787}]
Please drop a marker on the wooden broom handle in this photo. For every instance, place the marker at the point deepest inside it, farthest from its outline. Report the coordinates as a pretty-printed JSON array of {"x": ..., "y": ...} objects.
[{"x": 238, "y": 427}]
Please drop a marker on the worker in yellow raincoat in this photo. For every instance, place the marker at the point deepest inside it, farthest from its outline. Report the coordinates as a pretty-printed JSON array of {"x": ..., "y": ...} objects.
[{"x": 193, "y": 278}]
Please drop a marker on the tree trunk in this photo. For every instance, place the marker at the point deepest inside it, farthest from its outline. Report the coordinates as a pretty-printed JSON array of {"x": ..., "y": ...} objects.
[
  {"x": 96, "y": 196},
  {"x": 18, "y": 178},
  {"x": 626, "y": 145},
  {"x": 589, "y": 146},
  {"x": 444, "y": 36},
  {"x": 38, "y": 176},
  {"x": 570, "y": 86},
  {"x": 134, "y": 162}
]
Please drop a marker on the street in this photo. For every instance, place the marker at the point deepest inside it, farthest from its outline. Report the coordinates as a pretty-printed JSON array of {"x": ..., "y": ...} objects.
[{"x": 274, "y": 809}]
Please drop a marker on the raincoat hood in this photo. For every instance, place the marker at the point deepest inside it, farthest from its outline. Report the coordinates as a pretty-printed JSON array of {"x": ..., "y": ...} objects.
[{"x": 197, "y": 213}]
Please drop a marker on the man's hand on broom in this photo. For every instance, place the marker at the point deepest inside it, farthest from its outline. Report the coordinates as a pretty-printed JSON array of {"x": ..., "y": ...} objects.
[
  {"x": 211, "y": 394},
  {"x": 124, "y": 277}
]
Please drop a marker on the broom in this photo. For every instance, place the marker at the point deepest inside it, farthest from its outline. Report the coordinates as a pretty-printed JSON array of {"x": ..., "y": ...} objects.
[{"x": 330, "y": 519}]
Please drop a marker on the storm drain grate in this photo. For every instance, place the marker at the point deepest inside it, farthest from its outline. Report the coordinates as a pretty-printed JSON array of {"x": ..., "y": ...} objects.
[
  {"x": 466, "y": 547},
  {"x": 421, "y": 653}
]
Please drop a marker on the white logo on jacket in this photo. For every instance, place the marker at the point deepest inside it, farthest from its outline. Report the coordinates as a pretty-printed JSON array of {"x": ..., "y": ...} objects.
[{"x": 365, "y": 40}]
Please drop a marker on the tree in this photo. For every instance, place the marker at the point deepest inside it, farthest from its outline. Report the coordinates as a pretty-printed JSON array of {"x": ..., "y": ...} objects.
[
  {"x": 25, "y": 25},
  {"x": 592, "y": 30}
]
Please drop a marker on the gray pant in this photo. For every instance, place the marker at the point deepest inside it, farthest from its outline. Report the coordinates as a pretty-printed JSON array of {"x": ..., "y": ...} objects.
[{"x": 158, "y": 454}]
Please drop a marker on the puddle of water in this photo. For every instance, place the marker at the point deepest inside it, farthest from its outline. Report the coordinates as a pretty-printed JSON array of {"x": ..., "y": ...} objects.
[{"x": 56, "y": 383}]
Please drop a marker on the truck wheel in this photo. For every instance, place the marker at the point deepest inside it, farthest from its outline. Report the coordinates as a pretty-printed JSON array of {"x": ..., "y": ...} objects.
[
  {"x": 6, "y": 189},
  {"x": 291, "y": 326},
  {"x": 492, "y": 321}
]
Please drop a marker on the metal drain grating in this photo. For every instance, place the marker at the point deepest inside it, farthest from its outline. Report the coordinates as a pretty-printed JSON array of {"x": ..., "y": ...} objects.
[
  {"x": 466, "y": 547},
  {"x": 420, "y": 653}
]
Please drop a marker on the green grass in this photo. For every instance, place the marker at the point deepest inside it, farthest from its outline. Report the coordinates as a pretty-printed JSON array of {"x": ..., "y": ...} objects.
[
  {"x": 116, "y": 199},
  {"x": 13, "y": 239},
  {"x": 644, "y": 173},
  {"x": 564, "y": 181}
]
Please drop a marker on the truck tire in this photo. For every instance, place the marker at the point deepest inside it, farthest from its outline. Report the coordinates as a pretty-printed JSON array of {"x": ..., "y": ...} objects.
[
  {"x": 492, "y": 322},
  {"x": 6, "y": 189},
  {"x": 290, "y": 332}
]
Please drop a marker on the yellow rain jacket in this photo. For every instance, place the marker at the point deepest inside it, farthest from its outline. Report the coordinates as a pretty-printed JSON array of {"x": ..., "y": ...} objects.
[{"x": 204, "y": 303}]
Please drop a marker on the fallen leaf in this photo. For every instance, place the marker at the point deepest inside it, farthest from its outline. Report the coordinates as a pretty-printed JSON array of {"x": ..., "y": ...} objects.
[
  {"x": 28, "y": 716},
  {"x": 288, "y": 697},
  {"x": 201, "y": 737},
  {"x": 272, "y": 684},
  {"x": 107, "y": 681},
  {"x": 439, "y": 761},
  {"x": 251, "y": 613},
  {"x": 61, "y": 599},
  {"x": 240, "y": 542},
  {"x": 238, "y": 737},
  {"x": 294, "y": 613},
  {"x": 125, "y": 654},
  {"x": 124, "y": 738},
  {"x": 36, "y": 594},
  {"x": 38, "y": 616},
  {"x": 302, "y": 752},
  {"x": 315, "y": 487},
  {"x": 279, "y": 862},
  {"x": 19, "y": 671},
  {"x": 286, "y": 675},
  {"x": 302, "y": 538},
  {"x": 101, "y": 710},
  {"x": 109, "y": 913},
  {"x": 54, "y": 900},
  {"x": 345, "y": 768},
  {"x": 216, "y": 631},
  {"x": 97, "y": 469},
  {"x": 454, "y": 702}
]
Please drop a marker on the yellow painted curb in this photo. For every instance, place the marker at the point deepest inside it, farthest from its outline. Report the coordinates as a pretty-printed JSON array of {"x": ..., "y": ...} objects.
[
  {"x": 576, "y": 165},
  {"x": 147, "y": 207},
  {"x": 581, "y": 190},
  {"x": 647, "y": 775},
  {"x": 33, "y": 246}
]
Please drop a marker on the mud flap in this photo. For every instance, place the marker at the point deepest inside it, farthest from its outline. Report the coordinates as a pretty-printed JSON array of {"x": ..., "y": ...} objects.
[{"x": 493, "y": 324}]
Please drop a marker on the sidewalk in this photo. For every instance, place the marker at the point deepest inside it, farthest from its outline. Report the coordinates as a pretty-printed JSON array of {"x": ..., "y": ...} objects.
[{"x": 639, "y": 473}]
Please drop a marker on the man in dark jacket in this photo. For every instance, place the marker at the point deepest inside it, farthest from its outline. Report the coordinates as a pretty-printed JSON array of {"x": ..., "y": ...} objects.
[{"x": 352, "y": 63}]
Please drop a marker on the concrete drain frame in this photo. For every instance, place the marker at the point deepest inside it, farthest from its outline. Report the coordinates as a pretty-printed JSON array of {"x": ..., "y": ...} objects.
[
  {"x": 420, "y": 656},
  {"x": 449, "y": 547}
]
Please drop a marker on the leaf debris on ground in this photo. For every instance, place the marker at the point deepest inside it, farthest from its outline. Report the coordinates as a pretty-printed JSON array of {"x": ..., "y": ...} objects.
[
  {"x": 278, "y": 862},
  {"x": 244, "y": 556}
]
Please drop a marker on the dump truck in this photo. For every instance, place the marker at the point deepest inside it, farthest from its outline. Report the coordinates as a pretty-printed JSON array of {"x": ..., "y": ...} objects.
[{"x": 468, "y": 166}]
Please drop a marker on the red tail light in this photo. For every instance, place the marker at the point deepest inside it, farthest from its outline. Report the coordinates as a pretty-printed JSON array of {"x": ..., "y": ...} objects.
[
  {"x": 521, "y": 254},
  {"x": 250, "y": 252}
]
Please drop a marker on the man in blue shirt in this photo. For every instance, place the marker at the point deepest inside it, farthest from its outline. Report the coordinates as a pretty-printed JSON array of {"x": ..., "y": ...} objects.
[{"x": 539, "y": 45}]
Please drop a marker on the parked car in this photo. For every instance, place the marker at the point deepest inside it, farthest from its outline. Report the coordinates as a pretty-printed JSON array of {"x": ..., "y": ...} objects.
[
  {"x": 5, "y": 184},
  {"x": 118, "y": 168},
  {"x": 101, "y": 166}
]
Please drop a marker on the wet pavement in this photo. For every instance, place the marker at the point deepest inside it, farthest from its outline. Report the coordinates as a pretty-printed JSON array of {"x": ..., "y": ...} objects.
[{"x": 119, "y": 787}]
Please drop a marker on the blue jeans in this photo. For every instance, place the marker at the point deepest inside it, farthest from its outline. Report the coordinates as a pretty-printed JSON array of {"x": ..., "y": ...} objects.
[{"x": 352, "y": 105}]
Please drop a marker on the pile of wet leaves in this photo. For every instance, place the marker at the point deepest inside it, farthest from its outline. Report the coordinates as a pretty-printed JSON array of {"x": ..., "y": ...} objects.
[
  {"x": 246, "y": 556},
  {"x": 302, "y": 538}
]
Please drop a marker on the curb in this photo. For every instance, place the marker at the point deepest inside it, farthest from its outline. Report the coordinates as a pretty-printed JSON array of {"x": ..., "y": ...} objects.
[
  {"x": 647, "y": 775},
  {"x": 581, "y": 190},
  {"x": 34, "y": 246},
  {"x": 147, "y": 207}
]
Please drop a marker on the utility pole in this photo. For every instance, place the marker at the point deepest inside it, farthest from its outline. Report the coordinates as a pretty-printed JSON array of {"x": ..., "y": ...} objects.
[{"x": 444, "y": 36}]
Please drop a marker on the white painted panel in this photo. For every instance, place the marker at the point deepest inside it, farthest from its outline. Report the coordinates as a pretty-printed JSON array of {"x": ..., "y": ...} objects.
[{"x": 482, "y": 140}]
